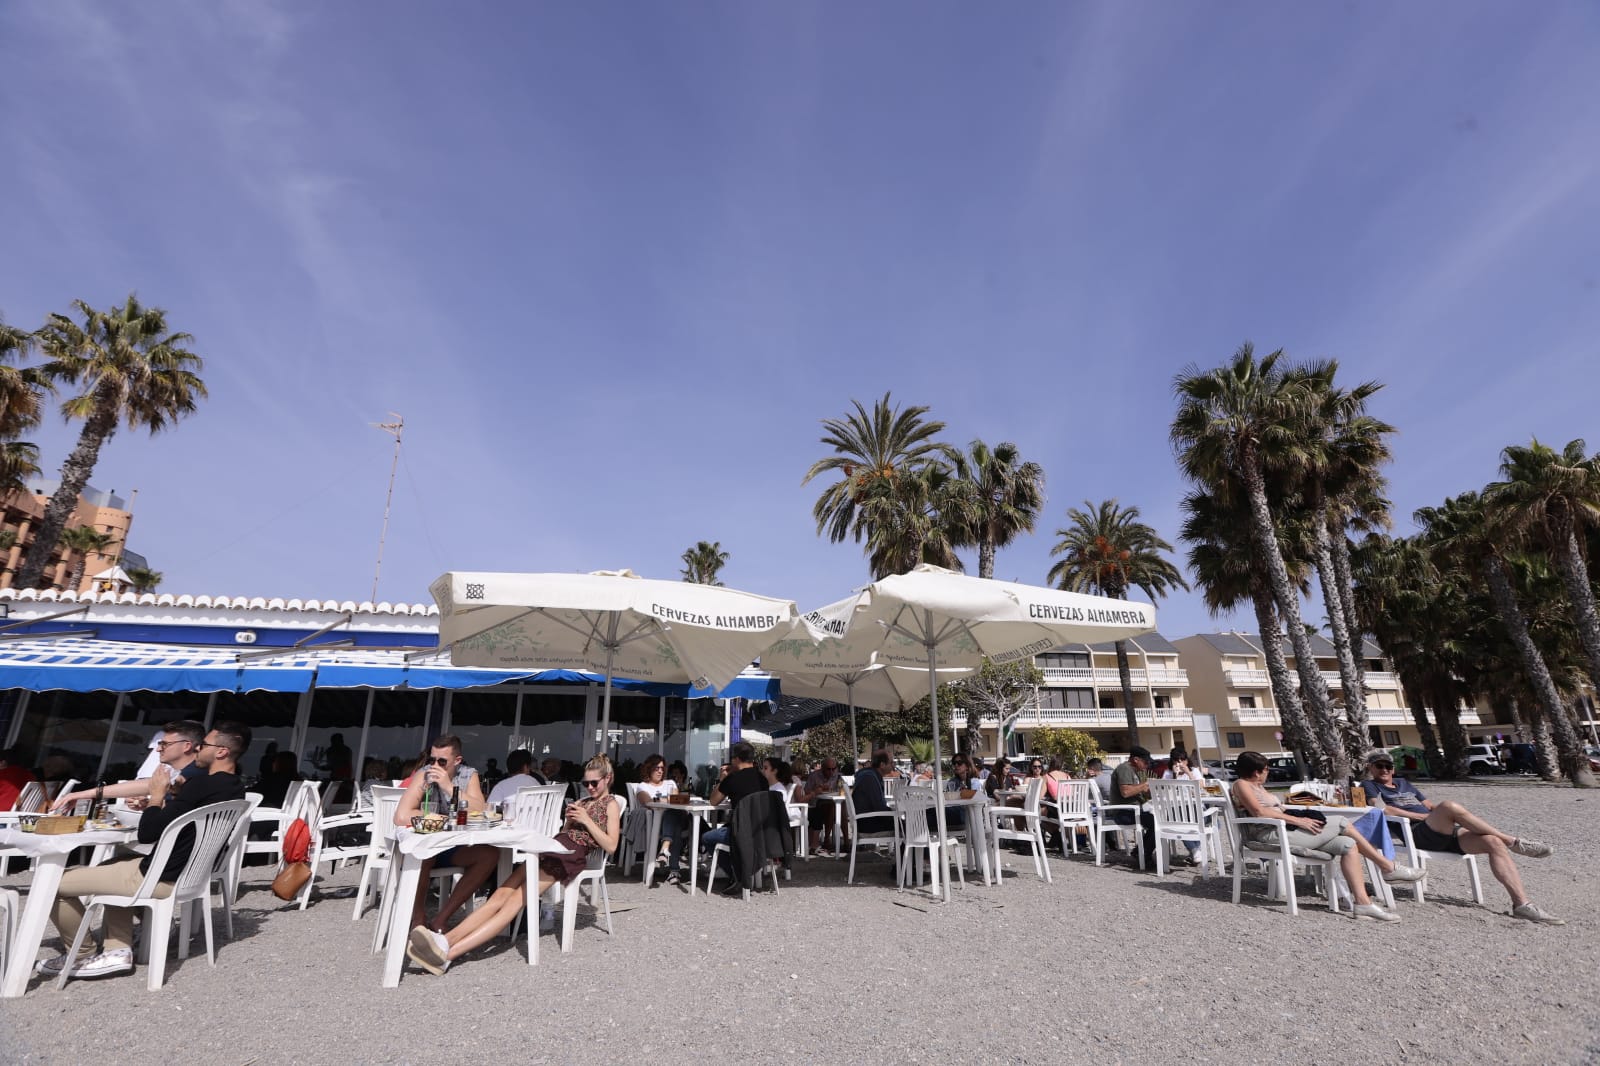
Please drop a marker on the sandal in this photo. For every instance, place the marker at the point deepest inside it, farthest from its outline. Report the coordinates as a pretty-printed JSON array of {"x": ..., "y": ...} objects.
[{"x": 661, "y": 862}]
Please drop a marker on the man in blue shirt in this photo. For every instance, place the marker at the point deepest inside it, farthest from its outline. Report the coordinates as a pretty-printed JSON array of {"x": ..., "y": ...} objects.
[{"x": 1448, "y": 826}]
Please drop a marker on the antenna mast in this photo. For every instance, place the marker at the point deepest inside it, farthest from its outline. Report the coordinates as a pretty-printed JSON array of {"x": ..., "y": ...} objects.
[{"x": 394, "y": 428}]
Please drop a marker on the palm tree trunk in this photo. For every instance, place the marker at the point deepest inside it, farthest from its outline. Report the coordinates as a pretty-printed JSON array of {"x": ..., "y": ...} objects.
[
  {"x": 1545, "y": 755},
  {"x": 1312, "y": 690},
  {"x": 1569, "y": 750},
  {"x": 1575, "y": 576},
  {"x": 1125, "y": 675},
  {"x": 1333, "y": 598},
  {"x": 1347, "y": 585},
  {"x": 77, "y": 573},
  {"x": 1451, "y": 734},
  {"x": 986, "y": 556},
  {"x": 1291, "y": 713},
  {"x": 1419, "y": 715},
  {"x": 97, "y": 429}
]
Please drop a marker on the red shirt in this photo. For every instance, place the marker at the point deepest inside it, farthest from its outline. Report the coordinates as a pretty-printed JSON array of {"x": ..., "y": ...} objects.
[{"x": 12, "y": 780}]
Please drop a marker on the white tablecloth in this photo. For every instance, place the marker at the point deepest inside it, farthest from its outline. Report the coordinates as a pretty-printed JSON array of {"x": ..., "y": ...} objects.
[{"x": 49, "y": 853}]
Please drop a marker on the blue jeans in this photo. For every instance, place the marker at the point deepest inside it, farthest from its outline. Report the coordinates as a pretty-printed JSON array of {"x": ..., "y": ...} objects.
[
  {"x": 713, "y": 837},
  {"x": 674, "y": 830}
]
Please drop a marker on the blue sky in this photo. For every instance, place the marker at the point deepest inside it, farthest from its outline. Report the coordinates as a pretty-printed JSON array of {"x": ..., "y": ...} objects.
[{"x": 613, "y": 263}]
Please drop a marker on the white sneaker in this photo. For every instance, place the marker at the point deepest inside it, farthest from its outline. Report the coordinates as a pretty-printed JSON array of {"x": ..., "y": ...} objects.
[
  {"x": 1402, "y": 874},
  {"x": 1375, "y": 912},
  {"x": 53, "y": 967},
  {"x": 1533, "y": 849},
  {"x": 1532, "y": 912},
  {"x": 105, "y": 964}
]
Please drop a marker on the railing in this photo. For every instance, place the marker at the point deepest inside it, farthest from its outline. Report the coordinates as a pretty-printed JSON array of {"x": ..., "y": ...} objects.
[
  {"x": 1245, "y": 677},
  {"x": 1087, "y": 717},
  {"x": 1106, "y": 677},
  {"x": 1375, "y": 679}
]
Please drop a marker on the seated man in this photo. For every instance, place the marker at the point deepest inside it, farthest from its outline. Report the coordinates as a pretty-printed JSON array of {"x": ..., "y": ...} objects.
[
  {"x": 518, "y": 765},
  {"x": 870, "y": 795},
  {"x": 218, "y": 756},
  {"x": 1450, "y": 827},
  {"x": 1096, "y": 771},
  {"x": 1130, "y": 784},
  {"x": 175, "y": 751},
  {"x": 444, "y": 778},
  {"x": 743, "y": 779},
  {"x": 819, "y": 782}
]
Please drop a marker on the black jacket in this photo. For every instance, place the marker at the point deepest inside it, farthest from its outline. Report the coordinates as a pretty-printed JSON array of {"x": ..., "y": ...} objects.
[
  {"x": 200, "y": 792},
  {"x": 759, "y": 833}
]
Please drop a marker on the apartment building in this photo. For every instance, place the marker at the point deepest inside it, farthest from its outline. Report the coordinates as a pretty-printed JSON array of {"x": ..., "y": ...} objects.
[
  {"x": 1228, "y": 674},
  {"x": 20, "y": 513},
  {"x": 1083, "y": 690}
]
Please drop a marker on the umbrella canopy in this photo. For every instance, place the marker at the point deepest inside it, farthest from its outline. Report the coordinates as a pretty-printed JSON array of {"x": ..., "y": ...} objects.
[
  {"x": 932, "y": 618},
  {"x": 832, "y": 668},
  {"x": 613, "y": 622}
]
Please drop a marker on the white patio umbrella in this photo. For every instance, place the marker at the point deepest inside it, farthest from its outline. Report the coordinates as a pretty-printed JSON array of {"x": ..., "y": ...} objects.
[
  {"x": 831, "y": 668},
  {"x": 611, "y": 621},
  {"x": 932, "y": 618}
]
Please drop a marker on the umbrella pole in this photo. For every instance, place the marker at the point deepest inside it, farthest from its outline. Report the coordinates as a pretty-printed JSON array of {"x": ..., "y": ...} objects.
[
  {"x": 938, "y": 763},
  {"x": 855, "y": 745},
  {"x": 605, "y": 706}
]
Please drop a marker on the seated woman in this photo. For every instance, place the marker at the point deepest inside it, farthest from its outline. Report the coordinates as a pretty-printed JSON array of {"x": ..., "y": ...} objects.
[
  {"x": 1336, "y": 838},
  {"x": 778, "y": 774},
  {"x": 654, "y": 784},
  {"x": 592, "y": 822},
  {"x": 1180, "y": 768}
]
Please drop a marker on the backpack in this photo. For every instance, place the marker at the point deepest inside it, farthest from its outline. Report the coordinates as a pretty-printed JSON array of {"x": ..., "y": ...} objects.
[{"x": 296, "y": 869}]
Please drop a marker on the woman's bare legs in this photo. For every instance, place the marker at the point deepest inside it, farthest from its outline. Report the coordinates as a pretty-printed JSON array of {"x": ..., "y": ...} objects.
[
  {"x": 487, "y": 922},
  {"x": 477, "y": 862},
  {"x": 1354, "y": 876}
]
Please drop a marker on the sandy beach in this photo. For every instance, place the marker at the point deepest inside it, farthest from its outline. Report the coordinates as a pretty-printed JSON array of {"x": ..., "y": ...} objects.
[{"x": 1108, "y": 965}]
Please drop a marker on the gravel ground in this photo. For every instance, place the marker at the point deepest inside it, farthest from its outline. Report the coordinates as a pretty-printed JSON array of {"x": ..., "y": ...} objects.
[{"x": 1110, "y": 965}]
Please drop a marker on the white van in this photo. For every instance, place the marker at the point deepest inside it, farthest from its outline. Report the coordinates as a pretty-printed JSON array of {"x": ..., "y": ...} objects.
[{"x": 1484, "y": 759}]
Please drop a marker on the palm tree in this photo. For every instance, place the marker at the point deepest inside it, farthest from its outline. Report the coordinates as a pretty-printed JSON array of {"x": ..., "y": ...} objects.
[
  {"x": 703, "y": 562},
  {"x": 1344, "y": 449},
  {"x": 1545, "y": 498},
  {"x": 873, "y": 451},
  {"x": 909, "y": 520},
  {"x": 1006, "y": 494},
  {"x": 21, "y": 389},
  {"x": 1222, "y": 561},
  {"x": 143, "y": 580},
  {"x": 1459, "y": 531},
  {"x": 132, "y": 371},
  {"x": 1107, "y": 550},
  {"x": 1234, "y": 423},
  {"x": 84, "y": 540}
]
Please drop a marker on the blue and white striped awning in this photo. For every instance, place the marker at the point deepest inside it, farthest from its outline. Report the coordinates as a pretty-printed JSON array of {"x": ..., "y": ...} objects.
[{"x": 83, "y": 664}]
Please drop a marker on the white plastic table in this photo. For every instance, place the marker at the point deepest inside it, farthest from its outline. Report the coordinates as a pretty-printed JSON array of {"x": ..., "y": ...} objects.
[
  {"x": 413, "y": 848},
  {"x": 977, "y": 832},
  {"x": 49, "y": 854},
  {"x": 695, "y": 810}
]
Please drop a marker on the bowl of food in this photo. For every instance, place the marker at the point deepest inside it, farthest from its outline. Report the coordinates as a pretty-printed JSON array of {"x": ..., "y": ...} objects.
[
  {"x": 429, "y": 823},
  {"x": 28, "y": 822},
  {"x": 127, "y": 818}
]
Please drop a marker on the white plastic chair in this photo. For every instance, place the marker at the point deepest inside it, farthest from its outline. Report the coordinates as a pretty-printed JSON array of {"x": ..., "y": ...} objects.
[
  {"x": 375, "y": 867},
  {"x": 797, "y": 822},
  {"x": 1422, "y": 858},
  {"x": 1280, "y": 860},
  {"x": 278, "y": 818},
  {"x": 915, "y": 806},
  {"x": 1323, "y": 790},
  {"x": 1024, "y": 824},
  {"x": 1070, "y": 811},
  {"x": 727, "y": 849},
  {"x": 1105, "y": 825},
  {"x": 567, "y": 895},
  {"x": 10, "y": 907},
  {"x": 28, "y": 801},
  {"x": 230, "y": 862},
  {"x": 1180, "y": 814},
  {"x": 875, "y": 827},
  {"x": 212, "y": 828},
  {"x": 635, "y": 828}
]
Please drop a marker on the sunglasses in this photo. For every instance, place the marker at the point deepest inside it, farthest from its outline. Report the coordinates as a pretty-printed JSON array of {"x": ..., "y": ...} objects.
[
  {"x": 440, "y": 760},
  {"x": 1383, "y": 765},
  {"x": 169, "y": 743},
  {"x": 592, "y": 782}
]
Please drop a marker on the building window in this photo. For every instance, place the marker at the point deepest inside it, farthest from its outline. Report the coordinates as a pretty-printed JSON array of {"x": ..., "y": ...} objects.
[
  {"x": 1066, "y": 698},
  {"x": 1163, "y": 700},
  {"x": 1391, "y": 738},
  {"x": 1247, "y": 703},
  {"x": 1235, "y": 740},
  {"x": 1063, "y": 660},
  {"x": 1108, "y": 701}
]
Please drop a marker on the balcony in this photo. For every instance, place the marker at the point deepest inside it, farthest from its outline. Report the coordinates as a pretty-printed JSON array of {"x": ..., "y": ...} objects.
[
  {"x": 1087, "y": 717},
  {"x": 1375, "y": 679},
  {"x": 1245, "y": 677},
  {"x": 1105, "y": 677}
]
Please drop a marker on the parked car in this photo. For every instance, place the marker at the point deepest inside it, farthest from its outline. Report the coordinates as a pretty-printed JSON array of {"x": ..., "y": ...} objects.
[
  {"x": 1483, "y": 759},
  {"x": 1282, "y": 769},
  {"x": 1222, "y": 771}
]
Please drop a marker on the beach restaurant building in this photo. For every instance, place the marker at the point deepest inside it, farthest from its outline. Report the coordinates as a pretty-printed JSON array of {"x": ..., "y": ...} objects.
[{"x": 86, "y": 679}]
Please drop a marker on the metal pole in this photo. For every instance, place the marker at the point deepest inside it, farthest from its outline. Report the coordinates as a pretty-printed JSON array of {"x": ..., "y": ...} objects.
[
  {"x": 16, "y": 718},
  {"x": 661, "y": 728},
  {"x": 396, "y": 427},
  {"x": 855, "y": 745},
  {"x": 605, "y": 707},
  {"x": 111, "y": 736},
  {"x": 449, "y": 710},
  {"x": 211, "y": 711},
  {"x": 938, "y": 761},
  {"x": 366, "y": 727},
  {"x": 516, "y": 720}
]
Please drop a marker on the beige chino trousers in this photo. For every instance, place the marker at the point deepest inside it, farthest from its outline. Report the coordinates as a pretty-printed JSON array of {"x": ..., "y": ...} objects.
[{"x": 108, "y": 879}]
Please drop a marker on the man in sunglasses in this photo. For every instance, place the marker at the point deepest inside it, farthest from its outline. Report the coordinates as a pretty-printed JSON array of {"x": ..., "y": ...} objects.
[
  {"x": 175, "y": 753},
  {"x": 218, "y": 758},
  {"x": 443, "y": 776},
  {"x": 1448, "y": 826}
]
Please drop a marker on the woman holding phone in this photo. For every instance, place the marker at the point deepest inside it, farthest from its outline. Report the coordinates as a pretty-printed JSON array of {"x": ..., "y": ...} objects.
[{"x": 592, "y": 822}]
